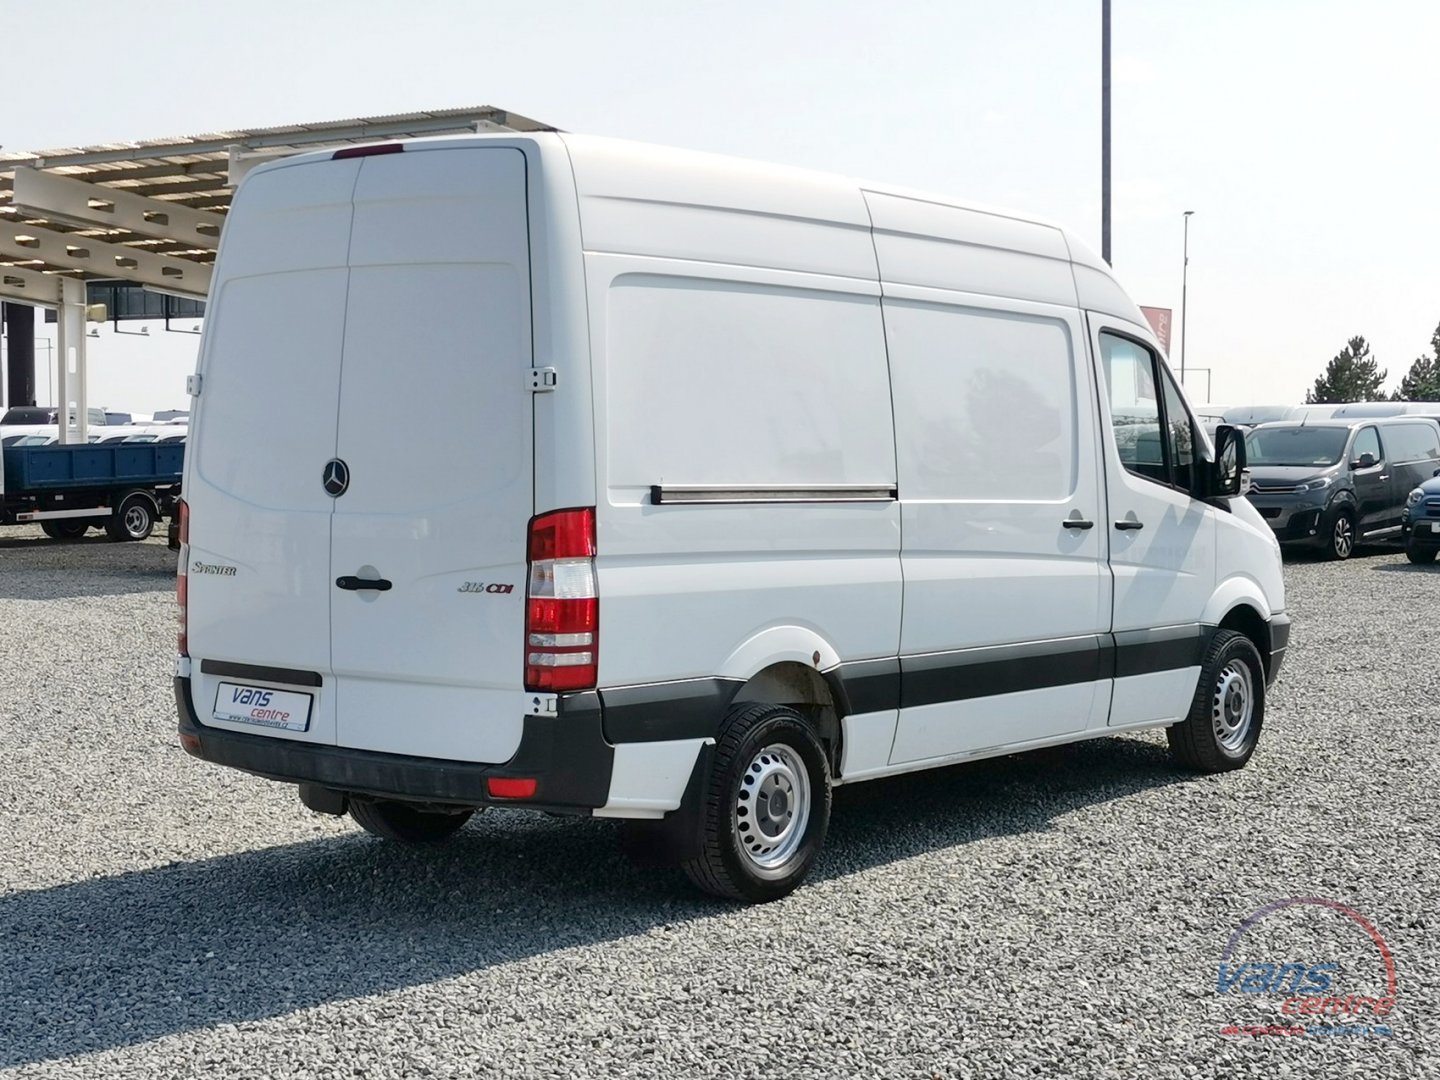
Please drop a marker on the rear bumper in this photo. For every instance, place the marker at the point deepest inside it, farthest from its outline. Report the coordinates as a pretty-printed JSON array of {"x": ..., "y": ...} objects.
[{"x": 566, "y": 755}]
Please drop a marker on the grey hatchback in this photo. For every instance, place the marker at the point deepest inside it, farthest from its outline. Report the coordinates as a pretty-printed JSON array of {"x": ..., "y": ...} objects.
[{"x": 1333, "y": 484}]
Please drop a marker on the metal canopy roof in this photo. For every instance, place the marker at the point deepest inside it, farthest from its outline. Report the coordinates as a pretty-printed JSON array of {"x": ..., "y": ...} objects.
[{"x": 150, "y": 212}]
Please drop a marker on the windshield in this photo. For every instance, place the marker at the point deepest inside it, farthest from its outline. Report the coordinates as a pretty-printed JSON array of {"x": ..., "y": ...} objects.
[{"x": 1295, "y": 445}]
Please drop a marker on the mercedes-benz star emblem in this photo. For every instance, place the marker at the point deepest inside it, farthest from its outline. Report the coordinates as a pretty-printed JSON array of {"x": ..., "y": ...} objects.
[{"x": 336, "y": 478}]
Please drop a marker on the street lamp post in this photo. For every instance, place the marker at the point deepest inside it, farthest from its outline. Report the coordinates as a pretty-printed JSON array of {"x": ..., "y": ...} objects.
[
  {"x": 1184, "y": 282},
  {"x": 1105, "y": 131}
]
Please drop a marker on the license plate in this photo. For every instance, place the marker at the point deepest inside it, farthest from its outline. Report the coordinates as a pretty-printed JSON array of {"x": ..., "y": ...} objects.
[{"x": 262, "y": 706}]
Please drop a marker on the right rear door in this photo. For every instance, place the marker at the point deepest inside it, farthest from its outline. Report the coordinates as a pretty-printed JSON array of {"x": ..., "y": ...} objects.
[{"x": 434, "y": 427}]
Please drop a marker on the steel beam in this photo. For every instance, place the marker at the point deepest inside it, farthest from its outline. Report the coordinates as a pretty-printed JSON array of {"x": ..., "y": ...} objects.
[
  {"x": 30, "y": 242},
  {"x": 79, "y": 203},
  {"x": 70, "y": 373},
  {"x": 443, "y": 122},
  {"x": 29, "y": 286}
]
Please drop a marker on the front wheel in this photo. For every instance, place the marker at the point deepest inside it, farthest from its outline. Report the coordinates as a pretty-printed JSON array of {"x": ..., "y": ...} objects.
[
  {"x": 406, "y": 823},
  {"x": 1339, "y": 542},
  {"x": 766, "y": 806},
  {"x": 1419, "y": 554},
  {"x": 1228, "y": 710}
]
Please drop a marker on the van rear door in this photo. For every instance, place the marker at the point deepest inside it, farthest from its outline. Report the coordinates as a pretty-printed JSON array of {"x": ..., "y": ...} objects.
[
  {"x": 434, "y": 429},
  {"x": 259, "y": 572}
]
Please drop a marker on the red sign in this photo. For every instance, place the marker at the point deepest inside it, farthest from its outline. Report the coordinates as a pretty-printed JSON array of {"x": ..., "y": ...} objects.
[{"x": 1159, "y": 320}]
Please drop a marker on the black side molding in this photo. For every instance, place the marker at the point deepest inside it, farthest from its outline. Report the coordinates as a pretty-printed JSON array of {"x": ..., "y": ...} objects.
[{"x": 262, "y": 673}]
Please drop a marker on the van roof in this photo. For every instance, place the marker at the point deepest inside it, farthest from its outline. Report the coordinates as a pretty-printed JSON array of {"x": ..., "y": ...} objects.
[
  {"x": 1347, "y": 422},
  {"x": 639, "y": 171}
]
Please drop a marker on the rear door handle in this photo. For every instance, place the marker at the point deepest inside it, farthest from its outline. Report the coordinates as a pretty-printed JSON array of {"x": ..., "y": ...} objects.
[
  {"x": 1126, "y": 524},
  {"x": 356, "y": 584},
  {"x": 1077, "y": 523}
]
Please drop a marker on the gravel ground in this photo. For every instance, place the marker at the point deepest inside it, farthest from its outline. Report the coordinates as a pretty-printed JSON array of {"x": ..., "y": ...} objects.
[{"x": 1058, "y": 914}]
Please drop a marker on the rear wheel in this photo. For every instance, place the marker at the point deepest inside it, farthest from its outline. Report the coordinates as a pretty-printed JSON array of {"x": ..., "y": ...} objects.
[
  {"x": 1226, "y": 715},
  {"x": 1420, "y": 554},
  {"x": 406, "y": 823},
  {"x": 766, "y": 806},
  {"x": 64, "y": 530},
  {"x": 1339, "y": 542},
  {"x": 133, "y": 519}
]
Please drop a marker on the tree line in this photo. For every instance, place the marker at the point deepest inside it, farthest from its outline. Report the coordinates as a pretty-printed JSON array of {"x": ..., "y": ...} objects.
[{"x": 1355, "y": 375}]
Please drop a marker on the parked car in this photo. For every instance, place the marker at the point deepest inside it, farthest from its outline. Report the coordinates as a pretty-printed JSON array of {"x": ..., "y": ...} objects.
[
  {"x": 645, "y": 559},
  {"x": 1331, "y": 484},
  {"x": 41, "y": 415},
  {"x": 1422, "y": 521}
]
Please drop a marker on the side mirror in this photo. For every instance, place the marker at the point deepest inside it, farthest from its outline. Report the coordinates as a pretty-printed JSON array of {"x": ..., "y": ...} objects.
[
  {"x": 1225, "y": 476},
  {"x": 1364, "y": 461}
]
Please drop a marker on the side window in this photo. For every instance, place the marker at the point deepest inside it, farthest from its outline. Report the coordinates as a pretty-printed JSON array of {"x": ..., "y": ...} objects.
[
  {"x": 1179, "y": 434},
  {"x": 1134, "y": 406},
  {"x": 1367, "y": 442},
  {"x": 1413, "y": 442}
]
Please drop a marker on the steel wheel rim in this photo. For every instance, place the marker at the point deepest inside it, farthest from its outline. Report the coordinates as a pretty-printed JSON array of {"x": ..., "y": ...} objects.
[
  {"x": 772, "y": 810},
  {"x": 1344, "y": 536},
  {"x": 1233, "y": 708},
  {"x": 135, "y": 520}
]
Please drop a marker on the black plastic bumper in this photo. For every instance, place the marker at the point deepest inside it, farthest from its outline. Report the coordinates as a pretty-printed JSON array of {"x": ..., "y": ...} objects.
[
  {"x": 1302, "y": 527},
  {"x": 1279, "y": 642},
  {"x": 566, "y": 755}
]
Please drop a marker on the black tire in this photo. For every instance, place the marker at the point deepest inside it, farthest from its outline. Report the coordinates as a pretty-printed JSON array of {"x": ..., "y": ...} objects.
[
  {"x": 769, "y": 782},
  {"x": 1419, "y": 554},
  {"x": 1339, "y": 539},
  {"x": 133, "y": 519},
  {"x": 1213, "y": 738},
  {"x": 65, "y": 529},
  {"x": 406, "y": 823}
]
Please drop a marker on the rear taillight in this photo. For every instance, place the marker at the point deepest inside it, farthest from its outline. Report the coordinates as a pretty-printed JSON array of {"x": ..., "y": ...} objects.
[
  {"x": 182, "y": 581},
  {"x": 562, "y": 607}
]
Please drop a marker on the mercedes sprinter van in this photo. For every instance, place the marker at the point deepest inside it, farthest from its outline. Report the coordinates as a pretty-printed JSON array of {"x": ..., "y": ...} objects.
[{"x": 734, "y": 483}]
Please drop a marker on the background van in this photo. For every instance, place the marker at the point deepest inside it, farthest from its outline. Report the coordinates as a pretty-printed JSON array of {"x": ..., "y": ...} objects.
[{"x": 738, "y": 482}]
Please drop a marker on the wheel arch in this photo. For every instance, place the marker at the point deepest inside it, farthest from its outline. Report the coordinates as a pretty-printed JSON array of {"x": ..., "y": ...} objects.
[
  {"x": 796, "y": 667},
  {"x": 1239, "y": 604}
]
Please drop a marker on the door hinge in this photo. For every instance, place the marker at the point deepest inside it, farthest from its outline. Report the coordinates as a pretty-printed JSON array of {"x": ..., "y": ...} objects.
[
  {"x": 192, "y": 384},
  {"x": 541, "y": 380}
]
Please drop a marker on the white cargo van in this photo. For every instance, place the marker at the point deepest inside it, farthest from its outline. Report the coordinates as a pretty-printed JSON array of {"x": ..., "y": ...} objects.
[{"x": 736, "y": 483}]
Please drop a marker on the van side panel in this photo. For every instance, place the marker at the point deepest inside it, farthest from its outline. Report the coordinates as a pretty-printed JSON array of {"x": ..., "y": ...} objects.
[
  {"x": 736, "y": 341},
  {"x": 777, "y": 382},
  {"x": 996, "y": 446}
]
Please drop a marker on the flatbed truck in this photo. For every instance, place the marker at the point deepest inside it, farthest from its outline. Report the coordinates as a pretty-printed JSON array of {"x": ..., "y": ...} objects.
[{"x": 66, "y": 489}]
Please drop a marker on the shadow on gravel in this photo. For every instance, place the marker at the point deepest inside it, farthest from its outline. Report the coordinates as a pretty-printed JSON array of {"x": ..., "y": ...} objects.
[
  {"x": 1408, "y": 568},
  {"x": 39, "y": 568},
  {"x": 102, "y": 964}
]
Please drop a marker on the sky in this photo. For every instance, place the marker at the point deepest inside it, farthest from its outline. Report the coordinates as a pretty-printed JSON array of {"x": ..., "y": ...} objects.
[{"x": 1304, "y": 134}]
